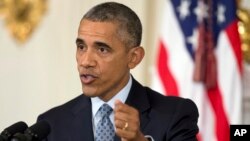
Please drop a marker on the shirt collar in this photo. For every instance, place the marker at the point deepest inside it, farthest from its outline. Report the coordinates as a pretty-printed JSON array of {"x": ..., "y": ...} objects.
[{"x": 122, "y": 95}]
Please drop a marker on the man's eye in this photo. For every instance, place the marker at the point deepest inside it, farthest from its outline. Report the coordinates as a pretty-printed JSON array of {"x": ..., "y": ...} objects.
[
  {"x": 103, "y": 50},
  {"x": 80, "y": 46}
]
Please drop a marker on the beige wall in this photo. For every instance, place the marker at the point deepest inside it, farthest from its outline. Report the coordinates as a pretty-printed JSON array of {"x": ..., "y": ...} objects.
[{"x": 41, "y": 73}]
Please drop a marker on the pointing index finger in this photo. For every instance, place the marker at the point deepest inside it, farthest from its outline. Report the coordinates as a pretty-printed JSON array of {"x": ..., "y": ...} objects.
[{"x": 121, "y": 107}]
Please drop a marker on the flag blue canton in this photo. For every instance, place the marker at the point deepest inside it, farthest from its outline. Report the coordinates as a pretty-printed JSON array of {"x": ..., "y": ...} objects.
[{"x": 214, "y": 14}]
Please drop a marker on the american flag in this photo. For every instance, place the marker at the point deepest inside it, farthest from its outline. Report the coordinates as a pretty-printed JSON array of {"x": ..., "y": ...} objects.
[{"x": 200, "y": 58}]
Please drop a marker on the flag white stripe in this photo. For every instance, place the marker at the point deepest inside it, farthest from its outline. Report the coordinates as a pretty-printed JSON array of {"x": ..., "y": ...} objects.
[{"x": 229, "y": 79}]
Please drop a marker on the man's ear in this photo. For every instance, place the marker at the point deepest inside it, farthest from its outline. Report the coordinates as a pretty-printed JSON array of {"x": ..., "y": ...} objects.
[{"x": 136, "y": 54}]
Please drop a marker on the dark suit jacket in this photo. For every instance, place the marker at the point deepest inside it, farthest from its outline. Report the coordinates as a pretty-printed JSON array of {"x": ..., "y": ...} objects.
[{"x": 164, "y": 118}]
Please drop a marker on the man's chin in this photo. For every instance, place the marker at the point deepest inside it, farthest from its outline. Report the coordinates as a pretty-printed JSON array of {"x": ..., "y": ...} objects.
[
  {"x": 89, "y": 91},
  {"x": 90, "y": 94}
]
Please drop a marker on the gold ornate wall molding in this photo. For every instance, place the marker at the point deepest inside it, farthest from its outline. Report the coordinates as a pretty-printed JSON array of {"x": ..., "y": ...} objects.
[
  {"x": 21, "y": 17},
  {"x": 244, "y": 30}
]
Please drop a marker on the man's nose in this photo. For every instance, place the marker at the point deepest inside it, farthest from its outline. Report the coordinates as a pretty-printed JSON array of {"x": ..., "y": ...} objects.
[{"x": 88, "y": 59}]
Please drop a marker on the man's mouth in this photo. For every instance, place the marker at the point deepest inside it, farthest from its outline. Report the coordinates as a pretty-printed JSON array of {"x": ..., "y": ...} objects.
[{"x": 87, "y": 78}]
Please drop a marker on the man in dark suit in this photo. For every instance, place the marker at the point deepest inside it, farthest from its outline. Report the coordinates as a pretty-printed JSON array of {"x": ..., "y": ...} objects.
[{"x": 108, "y": 46}]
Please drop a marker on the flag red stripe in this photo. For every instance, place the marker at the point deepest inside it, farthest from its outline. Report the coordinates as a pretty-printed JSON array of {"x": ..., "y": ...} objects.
[
  {"x": 221, "y": 120},
  {"x": 234, "y": 38},
  {"x": 166, "y": 77}
]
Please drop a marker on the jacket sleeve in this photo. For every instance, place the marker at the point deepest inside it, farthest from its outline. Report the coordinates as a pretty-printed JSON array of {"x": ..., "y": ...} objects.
[{"x": 183, "y": 126}]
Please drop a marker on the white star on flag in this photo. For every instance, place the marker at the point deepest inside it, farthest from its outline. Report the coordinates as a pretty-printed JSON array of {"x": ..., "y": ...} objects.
[
  {"x": 221, "y": 14},
  {"x": 201, "y": 11},
  {"x": 193, "y": 39},
  {"x": 184, "y": 9}
]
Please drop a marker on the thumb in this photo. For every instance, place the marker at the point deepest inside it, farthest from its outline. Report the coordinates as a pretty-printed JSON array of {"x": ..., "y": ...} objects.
[{"x": 124, "y": 139}]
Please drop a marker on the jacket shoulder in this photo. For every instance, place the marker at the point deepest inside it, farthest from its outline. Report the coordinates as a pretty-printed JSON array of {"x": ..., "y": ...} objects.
[
  {"x": 176, "y": 117},
  {"x": 164, "y": 103},
  {"x": 65, "y": 109}
]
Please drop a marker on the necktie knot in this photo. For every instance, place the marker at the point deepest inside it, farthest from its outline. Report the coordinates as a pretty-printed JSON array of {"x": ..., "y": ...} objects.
[{"x": 104, "y": 110}]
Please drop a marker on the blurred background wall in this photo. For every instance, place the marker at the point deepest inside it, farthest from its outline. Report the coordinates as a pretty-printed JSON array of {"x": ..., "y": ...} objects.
[{"x": 41, "y": 73}]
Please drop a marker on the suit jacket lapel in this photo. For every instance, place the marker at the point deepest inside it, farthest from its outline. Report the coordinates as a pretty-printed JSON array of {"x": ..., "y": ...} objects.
[
  {"x": 138, "y": 99},
  {"x": 82, "y": 121}
]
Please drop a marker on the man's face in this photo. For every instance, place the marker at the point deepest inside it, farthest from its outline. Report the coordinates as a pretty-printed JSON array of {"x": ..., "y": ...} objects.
[{"x": 102, "y": 59}]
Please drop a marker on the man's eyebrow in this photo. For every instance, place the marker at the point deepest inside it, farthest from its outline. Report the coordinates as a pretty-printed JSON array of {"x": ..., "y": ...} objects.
[
  {"x": 78, "y": 40},
  {"x": 97, "y": 43}
]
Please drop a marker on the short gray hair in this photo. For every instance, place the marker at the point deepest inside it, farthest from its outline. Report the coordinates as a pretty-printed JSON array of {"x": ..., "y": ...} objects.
[{"x": 130, "y": 27}]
